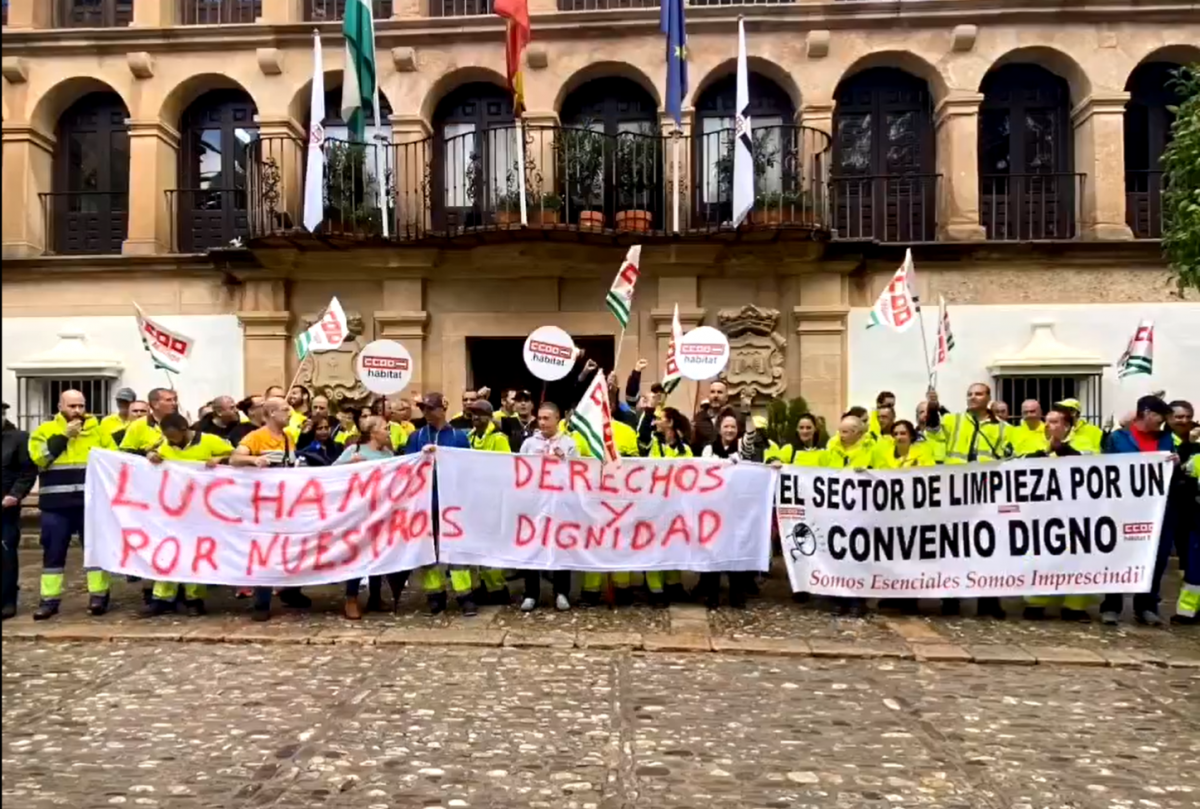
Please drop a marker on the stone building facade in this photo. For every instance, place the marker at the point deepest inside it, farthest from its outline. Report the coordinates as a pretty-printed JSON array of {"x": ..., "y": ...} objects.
[{"x": 154, "y": 150}]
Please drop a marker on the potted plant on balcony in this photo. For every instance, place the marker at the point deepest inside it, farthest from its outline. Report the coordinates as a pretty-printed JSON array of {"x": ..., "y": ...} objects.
[
  {"x": 352, "y": 191},
  {"x": 782, "y": 207},
  {"x": 579, "y": 153},
  {"x": 551, "y": 209},
  {"x": 639, "y": 179},
  {"x": 765, "y": 154}
]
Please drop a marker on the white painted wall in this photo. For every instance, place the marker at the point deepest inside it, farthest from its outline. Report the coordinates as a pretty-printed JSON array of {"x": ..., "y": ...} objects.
[
  {"x": 215, "y": 366},
  {"x": 883, "y": 360}
]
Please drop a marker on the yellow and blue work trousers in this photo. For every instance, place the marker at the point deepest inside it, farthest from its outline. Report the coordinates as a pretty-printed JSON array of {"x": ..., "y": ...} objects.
[
  {"x": 58, "y": 525},
  {"x": 594, "y": 582},
  {"x": 434, "y": 581},
  {"x": 168, "y": 591},
  {"x": 493, "y": 579},
  {"x": 655, "y": 579},
  {"x": 1076, "y": 602}
]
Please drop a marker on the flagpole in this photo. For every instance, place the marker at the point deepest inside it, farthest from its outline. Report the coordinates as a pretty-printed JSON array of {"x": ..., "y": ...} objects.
[
  {"x": 521, "y": 166},
  {"x": 675, "y": 170},
  {"x": 170, "y": 382},
  {"x": 380, "y": 176},
  {"x": 296, "y": 378}
]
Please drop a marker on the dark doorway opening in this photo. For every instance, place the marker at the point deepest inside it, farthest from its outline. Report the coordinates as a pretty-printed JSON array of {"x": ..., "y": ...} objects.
[{"x": 498, "y": 363}]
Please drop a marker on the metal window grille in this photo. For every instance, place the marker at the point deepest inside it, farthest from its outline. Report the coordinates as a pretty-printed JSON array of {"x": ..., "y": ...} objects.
[
  {"x": 1049, "y": 389},
  {"x": 37, "y": 397}
]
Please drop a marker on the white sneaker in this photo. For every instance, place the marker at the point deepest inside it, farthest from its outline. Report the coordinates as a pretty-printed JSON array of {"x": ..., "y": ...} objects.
[
  {"x": 561, "y": 604},
  {"x": 528, "y": 605}
]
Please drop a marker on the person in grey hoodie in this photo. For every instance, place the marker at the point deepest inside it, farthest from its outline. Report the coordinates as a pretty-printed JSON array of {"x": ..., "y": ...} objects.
[{"x": 548, "y": 440}]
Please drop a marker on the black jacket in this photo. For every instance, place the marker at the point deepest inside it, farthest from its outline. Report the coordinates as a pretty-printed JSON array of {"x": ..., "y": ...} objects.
[
  {"x": 19, "y": 470},
  {"x": 209, "y": 425}
]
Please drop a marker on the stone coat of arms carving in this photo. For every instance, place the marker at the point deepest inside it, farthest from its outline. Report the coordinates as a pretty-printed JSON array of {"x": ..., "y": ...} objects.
[
  {"x": 756, "y": 358},
  {"x": 331, "y": 373}
]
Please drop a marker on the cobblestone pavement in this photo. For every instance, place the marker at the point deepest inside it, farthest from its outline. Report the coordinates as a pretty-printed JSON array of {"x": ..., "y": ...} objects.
[{"x": 185, "y": 726}]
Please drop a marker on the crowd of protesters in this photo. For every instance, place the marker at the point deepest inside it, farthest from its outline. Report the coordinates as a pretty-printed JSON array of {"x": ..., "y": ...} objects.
[{"x": 296, "y": 428}]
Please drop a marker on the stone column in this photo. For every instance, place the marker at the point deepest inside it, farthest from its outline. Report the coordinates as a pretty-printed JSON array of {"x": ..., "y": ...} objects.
[
  {"x": 154, "y": 13},
  {"x": 818, "y": 356},
  {"x": 412, "y": 160},
  {"x": 264, "y": 317},
  {"x": 678, "y": 170},
  {"x": 541, "y": 129},
  {"x": 1099, "y": 122},
  {"x": 28, "y": 159},
  {"x": 277, "y": 192},
  {"x": 818, "y": 164},
  {"x": 408, "y": 9},
  {"x": 29, "y": 14},
  {"x": 153, "y": 168},
  {"x": 281, "y": 11},
  {"x": 956, "y": 122}
]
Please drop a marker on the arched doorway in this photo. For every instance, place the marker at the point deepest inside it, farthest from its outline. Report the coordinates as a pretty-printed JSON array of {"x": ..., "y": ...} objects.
[
  {"x": 89, "y": 209},
  {"x": 1148, "y": 122},
  {"x": 474, "y": 156},
  {"x": 1026, "y": 169},
  {"x": 883, "y": 183}
]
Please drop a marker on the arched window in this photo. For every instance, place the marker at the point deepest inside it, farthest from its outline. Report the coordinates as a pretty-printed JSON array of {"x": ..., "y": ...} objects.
[
  {"x": 475, "y": 143},
  {"x": 90, "y": 203},
  {"x": 1147, "y": 133},
  {"x": 882, "y": 181},
  {"x": 215, "y": 167},
  {"x": 775, "y": 144},
  {"x": 1027, "y": 186},
  {"x": 609, "y": 154}
]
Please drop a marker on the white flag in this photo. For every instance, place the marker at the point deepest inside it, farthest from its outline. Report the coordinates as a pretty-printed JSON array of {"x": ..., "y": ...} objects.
[
  {"x": 314, "y": 178},
  {"x": 896, "y": 307},
  {"x": 326, "y": 334},
  {"x": 620, "y": 295},
  {"x": 945, "y": 337},
  {"x": 168, "y": 349},
  {"x": 592, "y": 418},
  {"x": 672, "y": 376},
  {"x": 743, "y": 138},
  {"x": 1139, "y": 355}
]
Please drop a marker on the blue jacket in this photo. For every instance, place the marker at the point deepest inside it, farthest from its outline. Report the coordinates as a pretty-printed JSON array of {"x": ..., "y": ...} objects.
[
  {"x": 445, "y": 437},
  {"x": 1122, "y": 441}
]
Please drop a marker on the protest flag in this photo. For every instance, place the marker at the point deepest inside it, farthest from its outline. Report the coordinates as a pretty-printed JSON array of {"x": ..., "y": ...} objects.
[
  {"x": 314, "y": 178},
  {"x": 592, "y": 418},
  {"x": 1139, "y": 355},
  {"x": 328, "y": 333},
  {"x": 743, "y": 139},
  {"x": 945, "y": 337},
  {"x": 360, "y": 86},
  {"x": 620, "y": 295},
  {"x": 896, "y": 307},
  {"x": 168, "y": 349},
  {"x": 517, "y": 34},
  {"x": 672, "y": 375}
]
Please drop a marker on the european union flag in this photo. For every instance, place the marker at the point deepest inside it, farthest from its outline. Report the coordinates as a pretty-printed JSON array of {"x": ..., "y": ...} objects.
[{"x": 677, "y": 84}]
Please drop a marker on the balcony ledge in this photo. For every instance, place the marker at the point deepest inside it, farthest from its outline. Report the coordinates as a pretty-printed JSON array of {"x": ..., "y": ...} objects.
[{"x": 803, "y": 15}]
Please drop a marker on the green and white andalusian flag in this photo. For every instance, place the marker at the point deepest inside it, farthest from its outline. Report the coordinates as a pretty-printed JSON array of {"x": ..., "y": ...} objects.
[
  {"x": 327, "y": 334},
  {"x": 358, "y": 81},
  {"x": 672, "y": 376},
  {"x": 592, "y": 418},
  {"x": 620, "y": 295},
  {"x": 1139, "y": 355}
]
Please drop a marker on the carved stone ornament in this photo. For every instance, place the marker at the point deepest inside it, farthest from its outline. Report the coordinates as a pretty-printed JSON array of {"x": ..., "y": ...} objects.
[
  {"x": 755, "y": 352},
  {"x": 331, "y": 373}
]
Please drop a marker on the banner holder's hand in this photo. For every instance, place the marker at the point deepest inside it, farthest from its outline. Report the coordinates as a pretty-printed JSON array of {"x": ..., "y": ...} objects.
[
  {"x": 429, "y": 449},
  {"x": 211, "y": 463},
  {"x": 154, "y": 458}
]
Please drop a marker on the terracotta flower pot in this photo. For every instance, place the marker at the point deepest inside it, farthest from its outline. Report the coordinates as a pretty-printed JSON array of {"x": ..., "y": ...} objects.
[
  {"x": 636, "y": 221},
  {"x": 549, "y": 217},
  {"x": 591, "y": 220},
  {"x": 503, "y": 216}
]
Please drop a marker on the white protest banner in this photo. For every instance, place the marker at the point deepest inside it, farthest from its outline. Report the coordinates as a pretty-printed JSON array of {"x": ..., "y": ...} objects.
[
  {"x": 185, "y": 523},
  {"x": 168, "y": 349},
  {"x": 703, "y": 353},
  {"x": 538, "y": 512},
  {"x": 549, "y": 353},
  {"x": 384, "y": 367},
  {"x": 1059, "y": 526}
]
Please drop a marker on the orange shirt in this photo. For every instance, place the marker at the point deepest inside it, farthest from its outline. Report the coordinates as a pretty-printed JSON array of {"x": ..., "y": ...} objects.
[{"x": 266, "y": 443}]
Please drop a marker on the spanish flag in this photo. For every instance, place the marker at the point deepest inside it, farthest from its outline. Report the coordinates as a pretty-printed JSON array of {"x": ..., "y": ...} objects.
[{"x": 516, "y": 16}]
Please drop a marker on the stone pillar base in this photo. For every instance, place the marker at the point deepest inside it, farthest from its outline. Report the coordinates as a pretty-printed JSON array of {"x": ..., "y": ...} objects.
[
  {"x": 143, "y": 247},
  {"x": 1106, "y": 233},
  {"x": 962, "y": 232}
]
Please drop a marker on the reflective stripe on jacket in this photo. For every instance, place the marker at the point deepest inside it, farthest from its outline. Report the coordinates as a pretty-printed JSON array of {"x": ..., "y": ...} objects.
[
  {"x": 969, "y": 440},
  {"x": 492, "y": 440},
  {"x": 141, "y": 436},
  {"x": 62, "y": 461}
]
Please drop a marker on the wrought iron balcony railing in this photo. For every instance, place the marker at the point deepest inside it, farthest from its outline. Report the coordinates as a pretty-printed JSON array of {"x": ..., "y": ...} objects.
[
  {"x": 884, "y": 208},
  {"x": 335, "y": 10},
  {"x": 206, "y": 218},
  {"x": 85, "y": 222},
  {"x": 90, "y": 13},
  {"x": 219, "y": 12},
  {"x": 459, "y": 8},
  {"x": 1144, "y": 203},
  {"x": 1030, "y": 207}
]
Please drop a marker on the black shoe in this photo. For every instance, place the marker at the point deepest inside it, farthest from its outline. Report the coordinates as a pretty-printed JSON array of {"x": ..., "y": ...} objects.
[
  {"x": 622, "y": 596},
  {"x": 737, "y": 600},
  {"x": 1078, "y": 616},
  {"x": 155, "y": 608},
  {"x": 589, "y": 598},
  {"x": 196, "y": 608},
  {"x": 375, "y": 603},
  {"x": 500, "y": 598},
  {"x": 1185, "y": 620},
  {"x": 260, "y": 614},
  {"x": 855, "y": 610},
  {"x": 1035, "y": 613},
  {"x": 467, "y": 606},
  {"x": 712, "y": 599},
  {"x": 676, "y": 594},
  {"x": 751, "y": 586},
  {"x": 45, "y": 611},
  {"x": 951, "y": 607},
  {"x": 909, "y": 606},
  {"x": 147, "y": 594},
  {"x": 659, "y": 600},
  {"x": 97, "y": 605},
  {"x": 8, "y": 611},
  {"x": 294, "y": 599},
  {"x": 991, "y": 608},
  {"x": 800, "y": 598},
  {"x": 437, "y": 603}
]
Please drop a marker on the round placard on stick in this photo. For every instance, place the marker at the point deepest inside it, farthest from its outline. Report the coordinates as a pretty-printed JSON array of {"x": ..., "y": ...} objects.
[
  {"x": 384, "y": 367},
  {"x": 703, "y": 353},
  {"x": 549, "y": 353}
]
